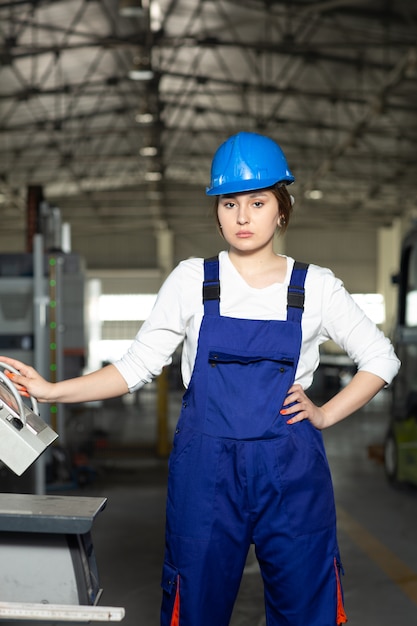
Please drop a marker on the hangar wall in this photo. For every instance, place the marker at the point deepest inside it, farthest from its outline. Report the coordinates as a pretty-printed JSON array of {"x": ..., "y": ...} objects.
[{"x": 351, "y": 255}]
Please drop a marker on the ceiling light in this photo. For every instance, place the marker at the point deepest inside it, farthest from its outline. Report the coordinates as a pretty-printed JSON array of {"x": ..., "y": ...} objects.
[
  {"x": 153, "y": 176},
  {"x": 154, "y": 171},
  {"x": 314, "y": 194},
  {"x": 156, "y": 16},
  {"x": 141, "y": 69},
  {"x": 148, "y": 151},
  {"x": 151, "y": 143},
  {"x": 144, "y": 115},
  {"x": 131, "y": 8}
]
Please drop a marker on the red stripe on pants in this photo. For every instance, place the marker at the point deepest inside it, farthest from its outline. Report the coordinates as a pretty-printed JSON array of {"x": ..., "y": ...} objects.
[
  {"x": 175, "y": 619},
  {"x": 341, "y": 615}
]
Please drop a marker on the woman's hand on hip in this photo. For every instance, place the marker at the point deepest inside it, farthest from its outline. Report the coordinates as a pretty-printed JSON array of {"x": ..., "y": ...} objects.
[{"x": 298, "y": 407}]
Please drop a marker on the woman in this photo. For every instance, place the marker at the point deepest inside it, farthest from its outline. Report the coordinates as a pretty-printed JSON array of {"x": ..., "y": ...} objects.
[{"x": 248, "y": 463}]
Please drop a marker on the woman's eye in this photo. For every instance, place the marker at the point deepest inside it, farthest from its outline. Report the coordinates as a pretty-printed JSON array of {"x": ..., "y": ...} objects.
[{"x": 258, "y": 205}]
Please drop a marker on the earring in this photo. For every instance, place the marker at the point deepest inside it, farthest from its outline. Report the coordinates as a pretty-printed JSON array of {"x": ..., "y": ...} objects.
[{"x": 282, "y": 221}]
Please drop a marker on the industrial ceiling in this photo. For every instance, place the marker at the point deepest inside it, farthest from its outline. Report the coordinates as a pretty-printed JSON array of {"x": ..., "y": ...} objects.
[{"x": 333, "y": 81}]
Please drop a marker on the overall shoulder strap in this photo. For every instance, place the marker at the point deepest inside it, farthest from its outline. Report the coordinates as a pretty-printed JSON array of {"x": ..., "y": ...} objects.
[
  {"x": 211, "y": 286},
  {"x": 295, "y": 295}
]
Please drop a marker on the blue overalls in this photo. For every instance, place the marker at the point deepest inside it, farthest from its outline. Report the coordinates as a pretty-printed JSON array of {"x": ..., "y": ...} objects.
[{"x": 239, "y": 474}]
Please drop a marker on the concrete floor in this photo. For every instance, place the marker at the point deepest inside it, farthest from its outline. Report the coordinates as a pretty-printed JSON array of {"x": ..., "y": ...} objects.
[{"x": 377, "y": 523}]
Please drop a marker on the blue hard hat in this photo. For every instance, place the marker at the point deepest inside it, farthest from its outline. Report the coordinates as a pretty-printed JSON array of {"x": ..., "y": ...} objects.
[{"x": 248, "y": 161}]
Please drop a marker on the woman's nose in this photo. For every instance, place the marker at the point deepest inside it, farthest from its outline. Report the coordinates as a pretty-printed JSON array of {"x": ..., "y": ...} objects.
[{"x": 242, "y": 217}]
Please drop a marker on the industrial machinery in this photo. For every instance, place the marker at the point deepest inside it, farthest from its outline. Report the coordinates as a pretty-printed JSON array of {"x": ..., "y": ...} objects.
[
  {"x": 23, "y": 434},
  {"x": 48, "y": 570},
  {"x": 42, "y": 324},
  {"x": 400, "y": 450},
  {"x": 60, "y": 301}
]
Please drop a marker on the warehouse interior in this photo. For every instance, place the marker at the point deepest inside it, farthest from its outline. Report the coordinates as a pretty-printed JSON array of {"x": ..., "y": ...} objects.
[{"x": 110, "y": 113}]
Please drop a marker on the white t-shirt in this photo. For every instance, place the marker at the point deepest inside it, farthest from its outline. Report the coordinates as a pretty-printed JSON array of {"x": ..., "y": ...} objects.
[{"x": 329, "y": 313}]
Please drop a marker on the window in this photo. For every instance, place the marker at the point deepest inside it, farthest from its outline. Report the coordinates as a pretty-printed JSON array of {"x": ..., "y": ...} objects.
[
  {"x": 373, "y": 304},
  {"x": 122, "y": 307},
  {"x": 119, "y": 316}
]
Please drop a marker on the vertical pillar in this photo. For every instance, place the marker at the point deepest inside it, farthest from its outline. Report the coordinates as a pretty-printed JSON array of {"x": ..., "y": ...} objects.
[
  {"x": 40, "y": 334},
  {"x": 163, "y": 445},
  {"x": 165, "y": 249},
  {"x": 165, "y": 252},
  {"x": 33, "y": 218},
  {"x": 56, "y": 353},
  {"x": 388, "y": 258}
]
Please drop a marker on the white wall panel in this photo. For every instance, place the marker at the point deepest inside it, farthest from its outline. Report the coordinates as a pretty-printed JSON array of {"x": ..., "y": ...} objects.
[{"x": 351, "y": 255}]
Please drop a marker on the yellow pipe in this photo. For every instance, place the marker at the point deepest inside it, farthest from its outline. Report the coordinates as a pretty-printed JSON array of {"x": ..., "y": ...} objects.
[{"x": 163, "y": 445}]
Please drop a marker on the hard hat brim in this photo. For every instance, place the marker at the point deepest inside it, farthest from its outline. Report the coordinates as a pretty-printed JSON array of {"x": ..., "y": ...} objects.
[{"x": 246, "y": 185}]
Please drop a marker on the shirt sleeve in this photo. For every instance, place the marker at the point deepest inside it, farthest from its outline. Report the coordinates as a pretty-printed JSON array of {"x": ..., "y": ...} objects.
[
  {"x": 162, "y": 332},
  {"x": 345, "y": 323}
]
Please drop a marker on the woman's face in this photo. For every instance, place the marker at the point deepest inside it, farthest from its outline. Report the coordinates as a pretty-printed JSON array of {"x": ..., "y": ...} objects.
[{"x": 248, "y": 220}]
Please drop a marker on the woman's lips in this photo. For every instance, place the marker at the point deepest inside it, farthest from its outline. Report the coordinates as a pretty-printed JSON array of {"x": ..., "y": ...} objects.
[{"x": 244, "y": 234}]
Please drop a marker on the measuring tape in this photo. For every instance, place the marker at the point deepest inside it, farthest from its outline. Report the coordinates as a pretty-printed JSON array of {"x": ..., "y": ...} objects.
[{"x": 60, "y": 612}]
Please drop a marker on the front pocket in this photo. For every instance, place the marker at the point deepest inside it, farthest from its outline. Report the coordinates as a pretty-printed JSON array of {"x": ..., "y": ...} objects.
[
  {"x": 183, "y": 441},
  {"x": 246, "y": 392},
  {"x": 170, "y": 610},
  {"x": 306, "y": 481},
  {"x": 191, "y": 487}
]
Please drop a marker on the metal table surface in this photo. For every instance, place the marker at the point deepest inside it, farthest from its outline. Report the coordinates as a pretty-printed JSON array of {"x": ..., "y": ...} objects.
[{"x": 48, "y": 514}]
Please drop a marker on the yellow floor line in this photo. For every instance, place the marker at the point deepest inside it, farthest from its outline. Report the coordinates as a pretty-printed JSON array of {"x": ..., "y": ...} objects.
[{"x": 394, "y": 568}]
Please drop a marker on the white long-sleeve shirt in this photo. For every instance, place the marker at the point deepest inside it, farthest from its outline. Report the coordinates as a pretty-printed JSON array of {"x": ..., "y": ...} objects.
[{"x": 329, "y": 313}]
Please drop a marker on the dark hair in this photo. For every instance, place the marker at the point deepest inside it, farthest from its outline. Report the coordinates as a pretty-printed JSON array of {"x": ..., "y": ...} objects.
[
  {"x": 285, "y": 204},
  {"x": 281, "y": 193}
]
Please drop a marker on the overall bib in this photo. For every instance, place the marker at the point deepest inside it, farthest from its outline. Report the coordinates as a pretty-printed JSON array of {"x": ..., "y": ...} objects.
[{"x": 240, "y": 475}]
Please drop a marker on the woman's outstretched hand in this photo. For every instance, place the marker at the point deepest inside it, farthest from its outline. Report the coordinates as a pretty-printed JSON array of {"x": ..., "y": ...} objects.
[
  {"x": 28, "y": 382},
  {"x": 104, "y": 383}
]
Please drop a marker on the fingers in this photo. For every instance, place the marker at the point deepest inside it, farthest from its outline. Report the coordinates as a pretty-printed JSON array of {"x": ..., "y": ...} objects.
[
  {"x": 295, "y": 395},
  {"x": 295, "y": 412},
  {"x": 13, "y": 362},
  {"x": 296, "y": 405},
  {"x": 21, "y": 388},
  {"x": 26, "y": 379}
]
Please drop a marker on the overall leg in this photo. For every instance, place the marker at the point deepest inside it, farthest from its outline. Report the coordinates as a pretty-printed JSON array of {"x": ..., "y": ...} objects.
[
  {"x": 295, "y": 534},
  {"x": 208, "y": 534},
  {"x": 301, "y": 580}
]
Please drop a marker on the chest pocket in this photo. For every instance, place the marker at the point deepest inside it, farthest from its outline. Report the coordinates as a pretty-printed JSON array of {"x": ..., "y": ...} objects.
[{"x": 246, "y": 392}]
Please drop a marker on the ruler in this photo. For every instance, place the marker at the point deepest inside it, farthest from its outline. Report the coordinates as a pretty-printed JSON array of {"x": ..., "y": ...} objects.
[{"x": 60, "y": 612}]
